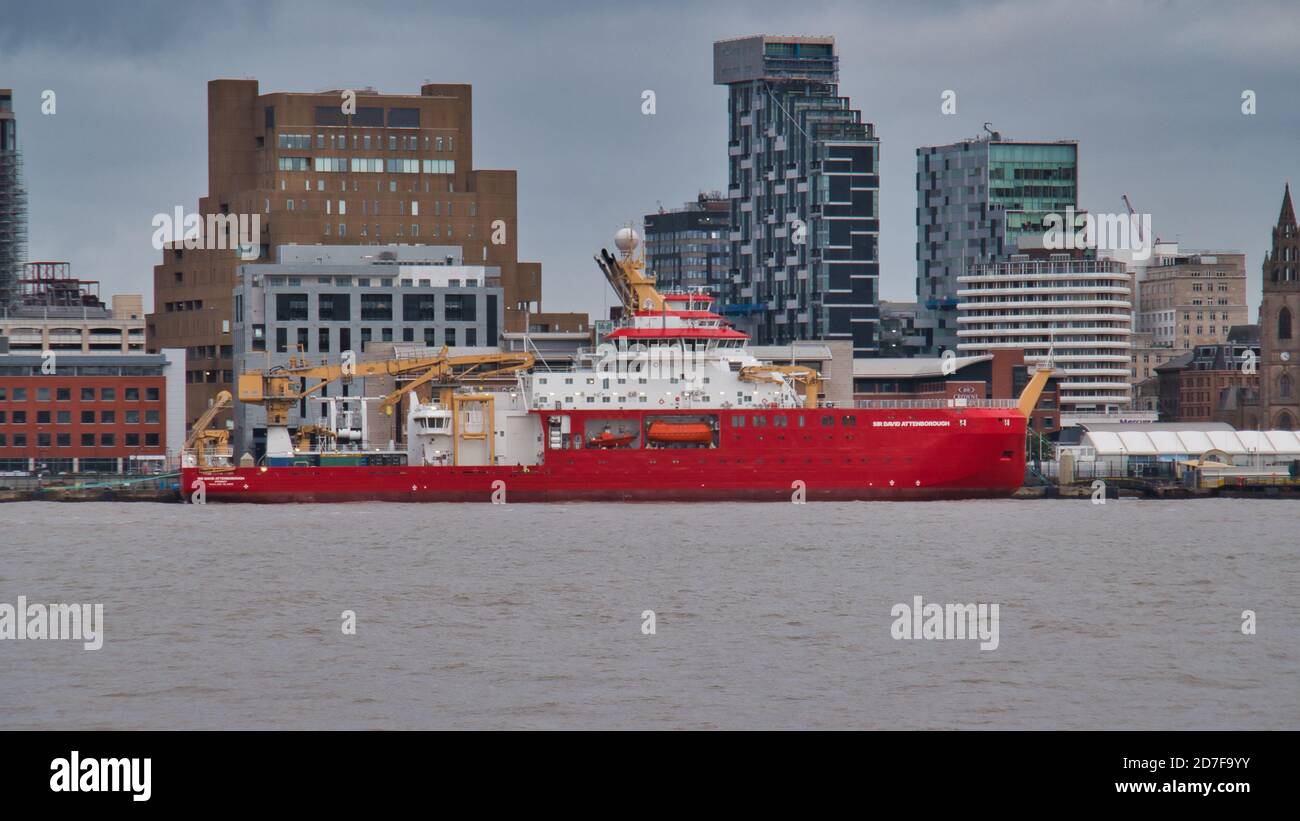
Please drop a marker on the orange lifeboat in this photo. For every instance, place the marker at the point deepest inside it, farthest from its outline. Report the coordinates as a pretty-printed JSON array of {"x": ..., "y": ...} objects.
[
  {"x": 661, "y": 431},
  {"x": 608, "y": 439}
]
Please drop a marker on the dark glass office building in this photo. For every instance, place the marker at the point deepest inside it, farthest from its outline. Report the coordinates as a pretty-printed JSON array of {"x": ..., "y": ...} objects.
[{"x": 804, "y": 188}]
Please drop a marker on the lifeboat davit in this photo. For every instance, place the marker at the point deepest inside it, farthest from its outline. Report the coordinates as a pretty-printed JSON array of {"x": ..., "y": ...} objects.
[{"x": 661, "y": 431}]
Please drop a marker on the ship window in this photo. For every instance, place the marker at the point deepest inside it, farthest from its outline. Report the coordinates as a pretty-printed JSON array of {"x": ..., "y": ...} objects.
[
  {"x": 780, "y": 420},
  {"x": 850, "y": 421},
  {"x": 738, "y": 421},
  {"x": 760, "y": 421},
  {"x": 801, "y": 420},
  {"x": 828, "y": 421}
]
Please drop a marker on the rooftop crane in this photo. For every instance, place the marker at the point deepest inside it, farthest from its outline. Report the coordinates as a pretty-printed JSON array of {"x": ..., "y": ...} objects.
[{"x": 1131, "y": 212}]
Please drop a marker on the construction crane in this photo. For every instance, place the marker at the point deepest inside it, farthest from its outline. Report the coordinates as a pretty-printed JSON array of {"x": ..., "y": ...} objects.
[
  {"x": 801, "y": 374},
  {"x": 1131, "y": 212},
  {"x": 275, "y": 389},
  {"x": 202, "y": 439}
]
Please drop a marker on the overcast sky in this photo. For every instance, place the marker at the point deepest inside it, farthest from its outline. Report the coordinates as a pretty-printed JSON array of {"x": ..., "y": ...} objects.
[{"x": 1151, "y": 90}]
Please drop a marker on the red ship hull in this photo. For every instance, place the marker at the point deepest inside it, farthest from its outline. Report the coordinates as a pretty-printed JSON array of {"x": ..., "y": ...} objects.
[{"x": 881, "y": 454}]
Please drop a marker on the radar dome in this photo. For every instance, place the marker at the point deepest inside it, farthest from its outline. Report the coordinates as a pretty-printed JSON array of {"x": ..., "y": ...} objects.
[{"x": 626, "y": 239}]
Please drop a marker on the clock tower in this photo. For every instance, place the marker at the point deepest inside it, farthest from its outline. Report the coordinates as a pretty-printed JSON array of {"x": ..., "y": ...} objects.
[{"x": 1279, "y": 312}]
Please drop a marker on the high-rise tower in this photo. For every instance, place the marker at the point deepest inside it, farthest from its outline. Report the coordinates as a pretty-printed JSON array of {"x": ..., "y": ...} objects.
[
  {"x": 13, "y": 201},
  {"x": 804, "y": 185}
]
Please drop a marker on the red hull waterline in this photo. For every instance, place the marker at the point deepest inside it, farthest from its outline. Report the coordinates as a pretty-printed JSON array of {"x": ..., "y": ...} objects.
[{"x": 882, "y": 455}]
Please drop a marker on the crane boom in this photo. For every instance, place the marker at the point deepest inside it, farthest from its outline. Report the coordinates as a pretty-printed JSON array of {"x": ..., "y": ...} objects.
[
  {"x": 464, "y": 368},
  {"x": 808, "y": 377},
  {"x": 276, "y": 391},
  {"x": 627, "y": 276},
  {"x": 201, "y": 424}
]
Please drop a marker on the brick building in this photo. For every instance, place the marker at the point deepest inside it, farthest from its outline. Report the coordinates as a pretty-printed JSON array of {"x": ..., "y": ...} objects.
[
  {"x": 392, "y": 169},
  {"x": 97, "y": 412}
]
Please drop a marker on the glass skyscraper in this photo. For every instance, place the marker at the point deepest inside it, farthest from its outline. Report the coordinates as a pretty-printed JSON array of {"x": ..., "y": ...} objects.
[
  {"x": 804, "y": 187},
  {"x": 976, "y": 201}
]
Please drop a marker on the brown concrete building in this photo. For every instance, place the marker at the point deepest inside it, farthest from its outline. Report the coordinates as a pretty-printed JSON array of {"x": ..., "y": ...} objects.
[
  {"x": 1279, "y": 341},
  {"x": 316, "y": 169},
  {"x": 1191, "y": 298}
]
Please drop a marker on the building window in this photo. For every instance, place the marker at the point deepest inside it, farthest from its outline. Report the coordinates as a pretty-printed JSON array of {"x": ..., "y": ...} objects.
[
  {"x": 377, "y": 307},
  {"x": 291, "y": 307}
]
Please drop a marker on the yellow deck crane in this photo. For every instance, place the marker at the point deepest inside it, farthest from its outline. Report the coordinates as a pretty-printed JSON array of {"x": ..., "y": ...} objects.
[
  {"x": 635, "y": 288},
  {"x": 801, "y": 374},
  {"x": 1030, "y": 394},
  {"x": 205, "y": 442},
  {"x": 457, "y": 369},
  {"x": 276, "y": 389}
]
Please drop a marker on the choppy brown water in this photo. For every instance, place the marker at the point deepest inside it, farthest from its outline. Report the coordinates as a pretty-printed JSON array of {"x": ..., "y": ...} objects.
[{"x": 1124, "y": 615}]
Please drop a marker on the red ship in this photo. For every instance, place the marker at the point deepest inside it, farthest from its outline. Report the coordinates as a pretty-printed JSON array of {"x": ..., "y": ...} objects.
[{"x": 670, "y": 407}]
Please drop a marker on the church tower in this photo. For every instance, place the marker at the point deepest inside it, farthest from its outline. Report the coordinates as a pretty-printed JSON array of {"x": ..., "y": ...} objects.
[{"x": 1279, "y": 312}]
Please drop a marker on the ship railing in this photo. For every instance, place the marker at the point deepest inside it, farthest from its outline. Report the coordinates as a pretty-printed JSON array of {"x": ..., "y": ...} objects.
[
  {"x": 932, "y": 404},
  {"x": 213, "y": 457}
]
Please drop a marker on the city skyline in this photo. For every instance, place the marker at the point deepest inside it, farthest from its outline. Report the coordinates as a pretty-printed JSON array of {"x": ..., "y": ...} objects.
[{"x": 1158, "y": 114}]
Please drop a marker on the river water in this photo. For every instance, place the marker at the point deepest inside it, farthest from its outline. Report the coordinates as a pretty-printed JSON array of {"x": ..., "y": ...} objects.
[{"x": 1122, "y": 615}]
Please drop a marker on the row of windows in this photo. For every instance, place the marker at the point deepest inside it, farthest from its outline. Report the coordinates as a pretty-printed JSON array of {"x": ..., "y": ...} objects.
[
  {"x": 200, "y": 377},
  {"x": 88, "y": 440},
  {"x": 781, "y": 420},
  {"x": 367, "y": 165},
  {"x": 87, "y": 394},
  {"x": 377, "y": 307},
  {"x": 339, "y": 142},
  {"x": 108, "y": 417},
  {"x": 323, "y": 339}
]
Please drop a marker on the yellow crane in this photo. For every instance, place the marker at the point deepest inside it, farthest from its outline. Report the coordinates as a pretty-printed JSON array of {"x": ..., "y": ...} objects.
[
  {"x": 635, "y": 288},
  {"x": 455, "y": 369},
  {"x": 276, "y": 389},
  {"x": 202, "y": 439},
  {"x": 802, "y": 374},
  {"x": 1029, "y": 396}
]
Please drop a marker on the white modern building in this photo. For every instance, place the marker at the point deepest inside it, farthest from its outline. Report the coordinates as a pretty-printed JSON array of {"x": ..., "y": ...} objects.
[{"x": 1074, "y": 313}]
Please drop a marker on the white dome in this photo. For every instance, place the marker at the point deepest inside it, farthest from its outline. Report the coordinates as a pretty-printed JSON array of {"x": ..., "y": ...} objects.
[{"x": 626, "y": 239}]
